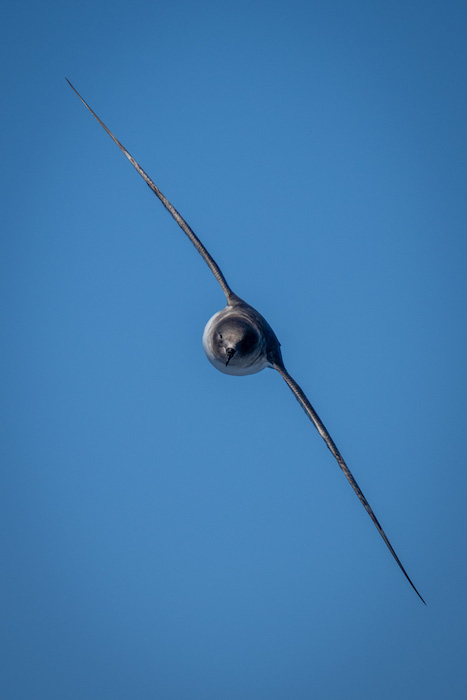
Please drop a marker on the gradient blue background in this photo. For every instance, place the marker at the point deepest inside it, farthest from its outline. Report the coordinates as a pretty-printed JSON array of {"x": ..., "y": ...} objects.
[{"x": 171, "y": 532}]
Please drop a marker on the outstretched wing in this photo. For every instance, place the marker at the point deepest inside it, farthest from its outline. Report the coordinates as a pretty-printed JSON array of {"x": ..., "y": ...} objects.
[
  {"x": 214, "y": 267},
  {"x": 313, "y": 416}
]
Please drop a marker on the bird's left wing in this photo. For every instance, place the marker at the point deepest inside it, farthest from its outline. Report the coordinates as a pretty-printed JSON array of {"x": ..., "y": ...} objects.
[
  {"x": 214, "y": 267},
  {"x": 313, "y": 416}
]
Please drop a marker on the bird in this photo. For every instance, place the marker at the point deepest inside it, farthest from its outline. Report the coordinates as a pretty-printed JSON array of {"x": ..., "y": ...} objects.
[{"x": 239, "y": 341}]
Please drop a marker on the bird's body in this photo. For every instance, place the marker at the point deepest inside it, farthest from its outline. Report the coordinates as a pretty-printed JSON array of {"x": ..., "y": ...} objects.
[{"x": 239, "y": 341}]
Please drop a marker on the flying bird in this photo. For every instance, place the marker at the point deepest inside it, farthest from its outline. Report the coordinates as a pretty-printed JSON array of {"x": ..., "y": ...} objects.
[{"x": 238, "y": 340}]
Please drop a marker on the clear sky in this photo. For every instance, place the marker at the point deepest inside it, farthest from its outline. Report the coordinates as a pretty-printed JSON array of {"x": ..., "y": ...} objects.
[{"x": 167, "y": 531}]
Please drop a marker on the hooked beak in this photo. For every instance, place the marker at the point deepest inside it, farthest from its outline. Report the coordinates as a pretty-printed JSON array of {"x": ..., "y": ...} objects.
[{"x": 230, "y": 352}]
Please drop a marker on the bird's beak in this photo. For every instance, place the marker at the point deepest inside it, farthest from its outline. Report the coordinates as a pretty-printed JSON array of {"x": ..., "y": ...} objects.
[{"x": 230, "y": 353}]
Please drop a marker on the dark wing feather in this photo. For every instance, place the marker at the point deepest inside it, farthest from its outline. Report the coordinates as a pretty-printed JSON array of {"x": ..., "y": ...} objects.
[
  {"x": 313, "y": 416},
  {"x": 178, "y": 218}
]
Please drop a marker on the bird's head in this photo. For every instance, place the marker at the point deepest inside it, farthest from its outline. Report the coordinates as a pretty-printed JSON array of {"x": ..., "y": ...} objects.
[{"x": 234, "y": 344}]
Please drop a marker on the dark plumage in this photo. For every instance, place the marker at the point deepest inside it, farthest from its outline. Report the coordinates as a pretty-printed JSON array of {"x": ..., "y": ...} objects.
[{"x": 238, "y": 340}]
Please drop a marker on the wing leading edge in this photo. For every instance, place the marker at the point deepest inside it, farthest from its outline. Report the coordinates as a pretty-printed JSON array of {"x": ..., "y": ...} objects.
[
  {"x": 315, "y": 419},
  {"x": 209, "y": 260}
]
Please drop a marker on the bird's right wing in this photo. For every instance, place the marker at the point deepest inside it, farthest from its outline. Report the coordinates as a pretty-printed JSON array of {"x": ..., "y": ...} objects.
[
  {"x": 214, "y": 267},
  {"x": 313, "y": 416}
]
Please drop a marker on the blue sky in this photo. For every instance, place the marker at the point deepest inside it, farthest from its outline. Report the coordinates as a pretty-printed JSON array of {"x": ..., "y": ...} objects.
[{"x": 171, "y": 532}]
